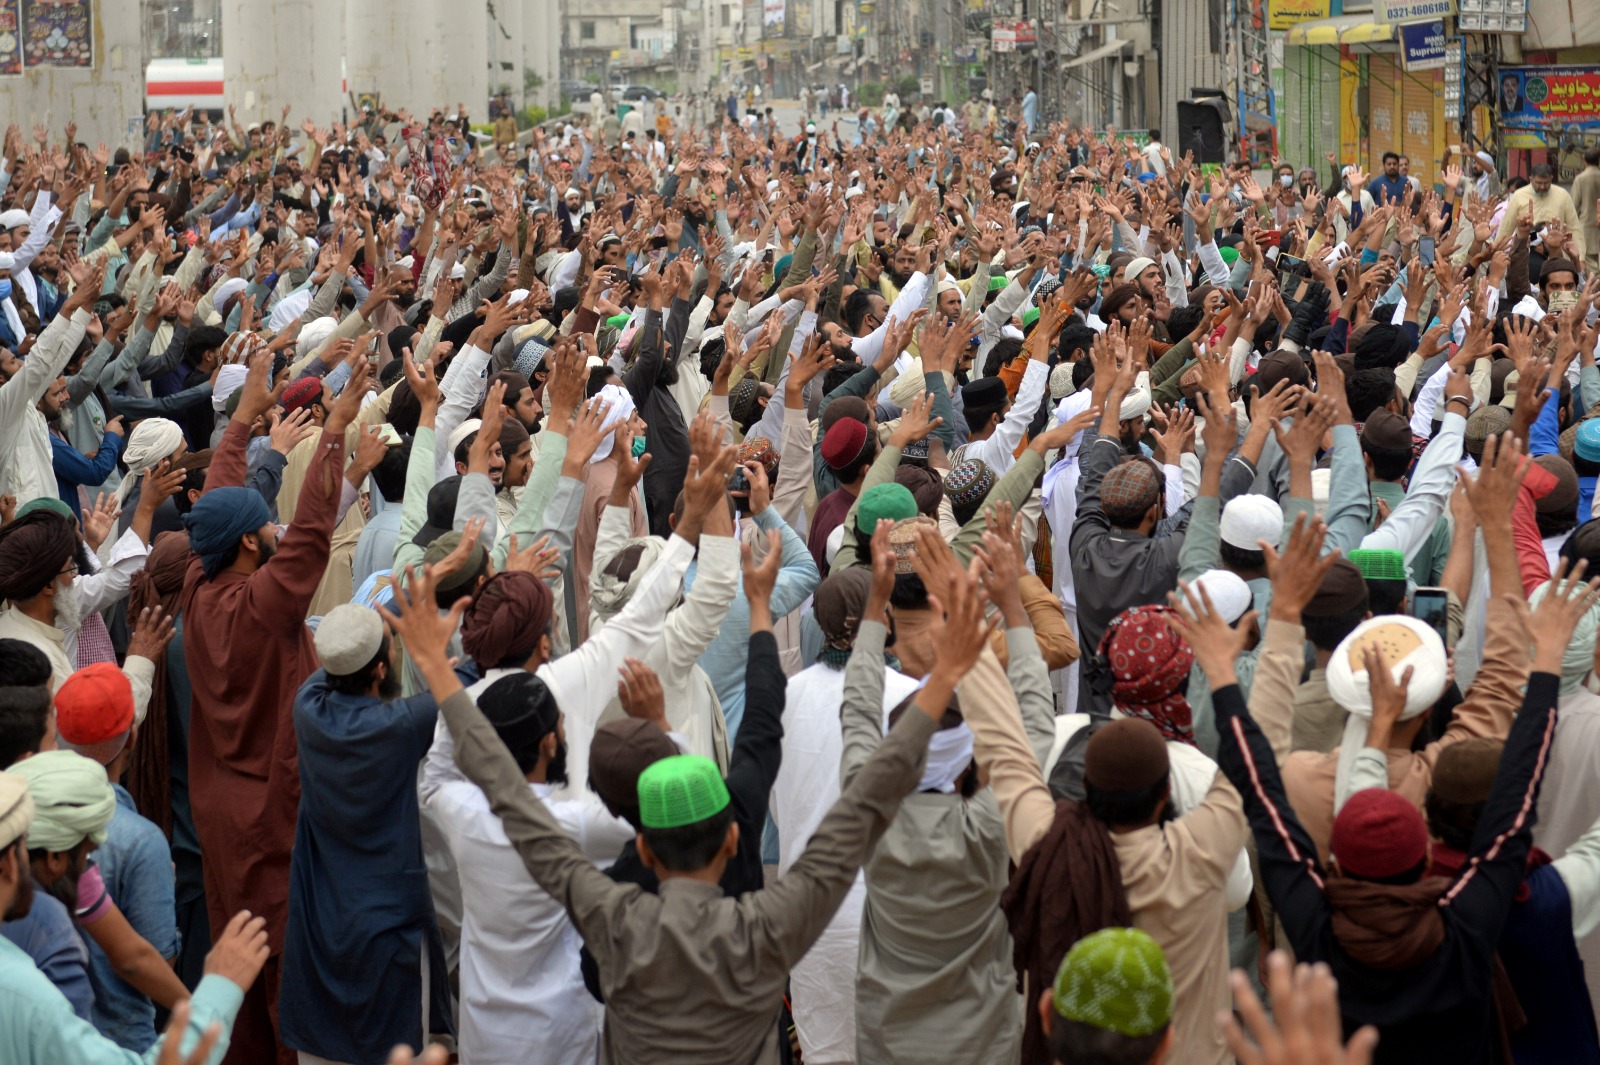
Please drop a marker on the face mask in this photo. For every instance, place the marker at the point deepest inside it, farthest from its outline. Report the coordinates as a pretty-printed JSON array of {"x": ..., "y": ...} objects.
[
  {"x": 1287, "y": 180},
  {"x": 1556, "y": 302},
  {"x": 5, "y": 289},
  {"x": 638, "y": 446}
]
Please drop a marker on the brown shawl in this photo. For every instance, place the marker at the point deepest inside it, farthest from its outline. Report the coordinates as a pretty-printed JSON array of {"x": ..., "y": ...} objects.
[
  {"x": 149, "y": 776},
  {"x": 1067, "y": 885}
]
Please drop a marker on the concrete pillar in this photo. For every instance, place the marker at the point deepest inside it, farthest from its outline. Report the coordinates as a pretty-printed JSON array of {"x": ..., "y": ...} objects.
[
  {"x": 463, "y": 43},
  {"x": 506, "y": 51},
  {"x": 285, "y": 52},
  {"x": 388, "y": 50}
]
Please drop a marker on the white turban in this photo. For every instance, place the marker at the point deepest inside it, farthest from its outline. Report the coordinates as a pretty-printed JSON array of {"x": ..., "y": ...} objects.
[
  {"x": 1136, "y": 404},
  {"x": 1578, "y": 659},
  {"x": 13, "y": 218},
  {"x": 622, "y": 408},
  {"x": 949, "y": 754},
  {"x": 288, "y": 309},
  {"x": 230, "y": 379},
  {"x": 909, "y": 386},
  {"x": 460, "y": 433},
  {"x": 1404, "y": 642},
  {"x": 151, "y": 441},
  {"x": 312, "y": 334},
  {"x": 226, "y": 290}
]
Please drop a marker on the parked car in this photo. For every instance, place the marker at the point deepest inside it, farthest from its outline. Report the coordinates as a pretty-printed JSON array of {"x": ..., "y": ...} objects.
[
  {"x": 638, "y": 93},
  {"x": 577, "y": 90}
]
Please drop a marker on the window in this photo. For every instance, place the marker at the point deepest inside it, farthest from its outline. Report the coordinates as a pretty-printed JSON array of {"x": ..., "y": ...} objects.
[
  {"x": 586, "y": 31},
  {"x": 727, "y": 16}
]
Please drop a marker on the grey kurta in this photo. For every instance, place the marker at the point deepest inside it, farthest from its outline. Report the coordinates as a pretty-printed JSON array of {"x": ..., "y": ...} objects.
[
  {"x": 691, "y": 976},
  {"x": 936, "y": 980}
]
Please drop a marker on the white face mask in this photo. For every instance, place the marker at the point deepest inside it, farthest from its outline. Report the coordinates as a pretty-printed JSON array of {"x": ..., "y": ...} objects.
[
  {"x": 69, "y": 607},
  {"x": 1286, "y": 180}
]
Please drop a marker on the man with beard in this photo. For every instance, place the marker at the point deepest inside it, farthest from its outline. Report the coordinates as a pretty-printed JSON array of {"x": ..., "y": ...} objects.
[
  {"x": 363, "y": 963},
  {"x": 37, "y": 1025},
  {"x": 248, "y": 593},
  {"x": 649, "y": 381}
]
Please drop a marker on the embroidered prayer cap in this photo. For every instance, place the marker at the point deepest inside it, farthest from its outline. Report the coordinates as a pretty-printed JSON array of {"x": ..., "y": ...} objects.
[
  {"x": 760, "y": 449},
  {"x": 1128, "y": 490},
  {"x": 903, "y": 538},
  {"x": 1115, "y": 979},
  {"x": 1379, "y": 564},
  {"x": 969, "y": 483},
  {"x": 682, "y": 790}
]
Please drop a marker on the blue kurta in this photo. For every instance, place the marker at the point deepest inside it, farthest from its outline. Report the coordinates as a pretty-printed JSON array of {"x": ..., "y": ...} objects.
[{"x": 360, "y": 913}]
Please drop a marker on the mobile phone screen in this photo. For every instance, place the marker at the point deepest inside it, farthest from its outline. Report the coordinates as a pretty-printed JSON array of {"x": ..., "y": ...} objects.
[{"x": 1431, "y": 606}]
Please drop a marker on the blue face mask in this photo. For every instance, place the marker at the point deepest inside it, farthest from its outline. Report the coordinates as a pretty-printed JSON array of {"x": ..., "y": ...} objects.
[
  {"x": 5, "y": 289},
  {"x": 638, "y": 442}
]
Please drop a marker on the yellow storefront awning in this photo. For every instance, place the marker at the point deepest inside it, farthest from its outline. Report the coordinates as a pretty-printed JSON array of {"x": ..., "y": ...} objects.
[{"x": 1341, "y": 29}]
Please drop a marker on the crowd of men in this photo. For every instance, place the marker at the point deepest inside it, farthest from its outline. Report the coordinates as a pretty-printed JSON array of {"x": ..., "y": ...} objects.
[{"x": 963, "y": 591}]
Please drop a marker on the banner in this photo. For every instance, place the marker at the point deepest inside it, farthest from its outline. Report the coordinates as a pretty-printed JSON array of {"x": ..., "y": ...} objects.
[
  {"x": 1393, "y": 11},
  {"x": 1422, "y": 45},
  {"x": 10, "y": 38},
  {"x": 1538, "y": 104},
  {"x": 772, "y": 12},
  {"x": 57, "y": 33},
  {"x": 1281, "y": 14}
]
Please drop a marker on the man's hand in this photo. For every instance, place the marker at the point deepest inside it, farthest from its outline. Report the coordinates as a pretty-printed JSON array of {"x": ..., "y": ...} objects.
[
  {"x": 241, "y": 950},
  {"x": 760, "y": 580},
  {"x": 639, "y": 691},
  {"x": 1493, "y": 490},
  {"x": 1215, "y": 643},
  {"x": 538, "y": 559},
  {"x": 816, "y": 359},
  {"x": 369, "y": 451},
  {"x": 348, "y": 405},
  {"x": 1305, "y": 1027},
  {"x": 287, "y": 431},
  {"x": 883, "y": 562},
  {"x": 1177, "y": 438},
  {"x": 256, "y": 395},
  {"x": 963, "y": 632},
  {"x": 151, "y": 633},
  {"x": 760, "y": 494},
  {"x": 1298, "y": 570},
  {"x": 1388, "y": 696},
  {"x": 916, "y": 422},
  {"x": 1002, "y": 555},
  {"x": 98, "y": 520},
  {"x": 1550, "y": 624},
  {"x": 488, "y": 435}
]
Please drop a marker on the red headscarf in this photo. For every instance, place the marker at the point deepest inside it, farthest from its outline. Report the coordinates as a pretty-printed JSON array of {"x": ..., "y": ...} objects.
[{"x": 1149, "y": 667}]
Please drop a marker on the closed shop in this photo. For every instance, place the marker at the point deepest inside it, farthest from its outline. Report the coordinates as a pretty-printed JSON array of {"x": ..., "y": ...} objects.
[{"x": 1308, "y": 104}]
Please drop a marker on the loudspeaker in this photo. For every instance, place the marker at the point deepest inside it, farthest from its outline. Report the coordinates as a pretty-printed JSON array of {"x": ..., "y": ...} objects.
[{"x": 1202, "y": 129}]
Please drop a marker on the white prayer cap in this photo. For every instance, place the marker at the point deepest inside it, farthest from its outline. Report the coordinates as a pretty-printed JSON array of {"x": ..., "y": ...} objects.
[
  {"x": 460, "y": 433},
  {"x": 1229, "y": 594},
  {"x": 1250, "y": 518},
  {"x": 312, "y": 334}
]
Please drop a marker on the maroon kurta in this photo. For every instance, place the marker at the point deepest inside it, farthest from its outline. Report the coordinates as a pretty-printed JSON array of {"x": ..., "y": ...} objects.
[{"x": 248, "y": 650}]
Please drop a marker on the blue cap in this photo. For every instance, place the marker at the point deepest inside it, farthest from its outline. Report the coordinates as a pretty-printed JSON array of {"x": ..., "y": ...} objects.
[{"x": 1587, "y": 443}]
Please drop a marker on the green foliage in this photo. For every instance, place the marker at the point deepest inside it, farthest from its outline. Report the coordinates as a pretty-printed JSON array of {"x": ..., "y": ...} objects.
[
  {"x": 532, "y": 81},
  {"x": 908, "y": 86},
  {"x": 533, "y": 114},
  {"x": 870, "y": 94}
]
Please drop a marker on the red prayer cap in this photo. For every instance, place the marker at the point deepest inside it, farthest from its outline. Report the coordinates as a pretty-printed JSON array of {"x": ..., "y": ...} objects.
[
  {"x": 1379, "y": 834},
  {"x": 301, "y": 393},
  {"x": 94, "y": 711},
  {"x": 842, "y": 443}
]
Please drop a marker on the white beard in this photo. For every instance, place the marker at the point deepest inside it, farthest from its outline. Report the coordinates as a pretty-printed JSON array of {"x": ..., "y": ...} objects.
[{"x": 69, "y": 608}]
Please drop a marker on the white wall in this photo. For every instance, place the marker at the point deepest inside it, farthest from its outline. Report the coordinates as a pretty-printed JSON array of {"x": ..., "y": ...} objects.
[{"x": 273, "y": 59}]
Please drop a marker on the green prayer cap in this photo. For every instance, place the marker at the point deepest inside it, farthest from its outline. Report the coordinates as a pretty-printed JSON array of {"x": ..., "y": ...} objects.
[
  {"x": 51, "y": 503},
  {"x": 617, "y": 321},
  {"x": 1115, "y": 979},
  {"x": 681, "y": 790},
  {"x": 1030, "y": 316},
  {"x": 891, "y": 501},
  {"x": 1229, "y": 255},
  {"x": 998, "y": 282},
  {"x": 1379, "y": 564}
]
